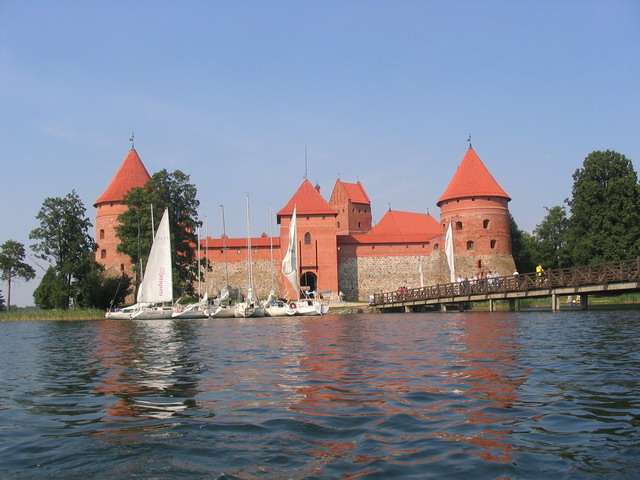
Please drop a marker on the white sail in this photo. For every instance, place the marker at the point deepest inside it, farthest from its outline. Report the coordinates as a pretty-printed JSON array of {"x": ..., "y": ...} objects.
[
  {"x": 157, "y": 284},
  {"x": 290, "y": 262},
  {"x": 448, "y": 248}
]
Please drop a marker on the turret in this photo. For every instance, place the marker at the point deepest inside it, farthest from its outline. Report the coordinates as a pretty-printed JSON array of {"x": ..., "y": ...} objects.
[
  {"x": 132, "y": 173},
  {"x": 478, "y": 209}
]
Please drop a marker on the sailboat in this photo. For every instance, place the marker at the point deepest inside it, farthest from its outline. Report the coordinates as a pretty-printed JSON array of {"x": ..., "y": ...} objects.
[
  {"x": 307, "y": 306},
  {"x": 155, "y": 294},
  {"x": 156, "y": 287},
  {"x": 197, "y": 309},
  {"x": 250, "y": 307}
]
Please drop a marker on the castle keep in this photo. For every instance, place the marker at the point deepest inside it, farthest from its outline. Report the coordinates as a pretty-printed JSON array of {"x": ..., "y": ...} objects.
[{"x": 339, "y": 249}]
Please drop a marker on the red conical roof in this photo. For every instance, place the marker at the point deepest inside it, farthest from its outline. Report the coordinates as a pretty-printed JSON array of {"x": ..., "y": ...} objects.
[
  {"x": 308, "y": 201},
  {"x": 132, "y": 173},
  {"x": 472, "y": 179}
]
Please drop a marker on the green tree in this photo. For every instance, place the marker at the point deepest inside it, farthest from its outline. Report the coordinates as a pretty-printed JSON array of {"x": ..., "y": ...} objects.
[
  {"x": 605, "y": 210},
  {"x": 164, "y": 190},
  {"x": 522, "y": 247},
  {"x": 12, "y": 265},
  {"x": 63, "y": 236},
  {"x": 551, "y": 239},
  {"x": 53, "y": 291},
  {"x": 2, "y": 308},
  {"x": 94, "y": 289}
]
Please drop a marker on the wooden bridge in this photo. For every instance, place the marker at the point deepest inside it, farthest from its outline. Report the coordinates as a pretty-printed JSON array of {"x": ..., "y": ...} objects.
[{"x": 606, "y": 278}]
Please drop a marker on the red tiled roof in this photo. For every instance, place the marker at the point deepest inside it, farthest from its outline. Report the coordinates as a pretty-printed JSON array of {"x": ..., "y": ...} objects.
[
  {"x": 355, "y": 192},
  {"x": 239, "y": 242},
  {"x": 472, "y": 179},
  {"x": 395, "y": 223},
  {"x": 385, "y": 238},
  {"x": 132, "y": 173},
  {"x": 308, "y": 201}
]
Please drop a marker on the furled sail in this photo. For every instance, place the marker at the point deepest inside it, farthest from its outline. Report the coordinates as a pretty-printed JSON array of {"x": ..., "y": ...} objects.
[
  {"x": 448, "y": 248},
  {"x": 157, "y": 284},
  {"x": 290, "y": 262}
]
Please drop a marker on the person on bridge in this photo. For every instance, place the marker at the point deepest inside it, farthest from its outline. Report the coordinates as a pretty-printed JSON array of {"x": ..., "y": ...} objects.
[{"x": 539, "y": 274}]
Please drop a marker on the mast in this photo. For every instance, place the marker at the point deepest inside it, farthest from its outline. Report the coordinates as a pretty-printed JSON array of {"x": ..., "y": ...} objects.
[
  {"x": 224, "y": 246},
  {"x": 273, "y": 268}
]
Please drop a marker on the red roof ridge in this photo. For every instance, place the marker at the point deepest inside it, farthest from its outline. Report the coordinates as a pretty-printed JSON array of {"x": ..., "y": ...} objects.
[
  {"x": 472, "y": 179},
  {"x": 308, "y": 201},
  {"x": 132, "y": 173},
  {"x": 396, "y": 222},
  {"x": 355, "y": 192}
]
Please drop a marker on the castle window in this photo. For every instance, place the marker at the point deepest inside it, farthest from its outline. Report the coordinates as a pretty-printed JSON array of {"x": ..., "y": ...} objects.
[
  {"x": 479, "y": 263},
  {"x": 102, "y": 234},
  {"x": 122, "y": 267},
  {"x": 493, "y": 244},
  {"x": 470, "y": 245},
  {"x": 307, "y": 238},
  {"x": 338, "y": 224},
  {"x": 103, "y": 253},
  {"x": 485, "y": 223},
  {"x": 436, "y": 247},
  {"x": 359, "y": 224},
  {"x": 458, "y": 225}
]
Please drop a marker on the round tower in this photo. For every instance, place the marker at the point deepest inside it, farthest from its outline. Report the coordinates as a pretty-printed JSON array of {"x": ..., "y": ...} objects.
[
  {"x": 477, "y": 209},
  {"x": 132, "y": 173}
]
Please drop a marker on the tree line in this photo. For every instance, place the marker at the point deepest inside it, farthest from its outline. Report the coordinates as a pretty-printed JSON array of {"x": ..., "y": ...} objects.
[
  {"x": 74, "y": 277},
  {"x": 599, "y": 223}
]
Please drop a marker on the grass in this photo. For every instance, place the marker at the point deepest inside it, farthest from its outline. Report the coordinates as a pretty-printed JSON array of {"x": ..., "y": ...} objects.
[
  {"x": 595, "y": 301},
  {"x": 34, "y": 315}
]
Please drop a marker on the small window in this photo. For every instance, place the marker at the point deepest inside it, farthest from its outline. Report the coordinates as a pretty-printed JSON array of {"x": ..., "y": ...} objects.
[
  {"x": 338, "y": 224},
  {"x": 485, "y": 223},
  {"x": 122, "y": 267},
  {"x": 103, "y": 253},
  {"x": 458, "y": 225},
  {"x": 307, "y": 238},
  {"x": 101, "y": 234},
  {"x": 359, "y": 224},
  {"x": 470, "y": 245},
  {"x": 479, "y": 263},
  {"x": 436, "y": 247},
  {"x": 493, "y": 244}
]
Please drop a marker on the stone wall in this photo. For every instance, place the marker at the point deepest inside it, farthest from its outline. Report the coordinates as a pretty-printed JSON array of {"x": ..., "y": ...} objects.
[
  {"x": 362, "y": 276},
  {"x": 263, "y": 273}
]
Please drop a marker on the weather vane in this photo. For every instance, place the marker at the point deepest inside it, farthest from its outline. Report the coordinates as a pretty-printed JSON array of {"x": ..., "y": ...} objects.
[
  {"x": 469, "y": 140},
  {"x": 131, "y": 140}
]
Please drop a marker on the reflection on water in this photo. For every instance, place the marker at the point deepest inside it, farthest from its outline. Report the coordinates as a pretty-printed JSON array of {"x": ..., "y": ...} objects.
[{"x": 515, "y": 395}]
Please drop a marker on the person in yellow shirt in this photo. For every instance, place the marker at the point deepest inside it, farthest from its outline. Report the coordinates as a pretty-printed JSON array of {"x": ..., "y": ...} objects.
[{"x": 539, "y": 274}]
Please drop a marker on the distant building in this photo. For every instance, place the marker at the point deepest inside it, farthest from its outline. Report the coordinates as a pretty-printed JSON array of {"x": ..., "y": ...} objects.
[{"x": 339, "y": 250}]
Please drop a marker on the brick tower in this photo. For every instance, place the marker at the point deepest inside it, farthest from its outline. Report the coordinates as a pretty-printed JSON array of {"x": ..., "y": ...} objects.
[
  {"x": 132, "y": 173},
  {"x": 353, "y": 206},
  {"x": 477, "y": 208},
  {"x": 317, "y": 247}
]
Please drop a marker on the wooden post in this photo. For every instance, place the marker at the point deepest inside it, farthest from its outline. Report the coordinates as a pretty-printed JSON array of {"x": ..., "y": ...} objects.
[
  {"x": 514, "y": 305},
  {"x": 554, "y": 302},
  {"x": 584, "y": 301}
]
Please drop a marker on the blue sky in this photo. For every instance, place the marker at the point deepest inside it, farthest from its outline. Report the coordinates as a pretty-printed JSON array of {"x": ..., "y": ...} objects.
[{"x": 385, "y": 92}]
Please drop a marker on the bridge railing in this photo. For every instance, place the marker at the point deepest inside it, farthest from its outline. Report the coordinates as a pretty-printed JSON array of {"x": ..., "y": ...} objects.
[{"x": 599, "y": 274}]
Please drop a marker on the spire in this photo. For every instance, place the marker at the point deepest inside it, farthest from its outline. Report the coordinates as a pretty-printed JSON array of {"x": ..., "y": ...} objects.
[
  {"x": 472, "y": 179},
  {"x": 132, "y": 173}
]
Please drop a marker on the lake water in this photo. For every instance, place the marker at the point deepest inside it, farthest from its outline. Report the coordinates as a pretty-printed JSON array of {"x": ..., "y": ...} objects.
[{"x": 430, "y": 395}]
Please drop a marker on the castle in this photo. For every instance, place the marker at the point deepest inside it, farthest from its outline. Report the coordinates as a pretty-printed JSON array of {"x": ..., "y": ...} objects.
[{"x": 339, "y": 249}]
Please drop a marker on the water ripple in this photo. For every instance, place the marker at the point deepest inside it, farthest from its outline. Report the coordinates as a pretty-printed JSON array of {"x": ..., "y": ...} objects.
[{"x": 518, "y": 395}]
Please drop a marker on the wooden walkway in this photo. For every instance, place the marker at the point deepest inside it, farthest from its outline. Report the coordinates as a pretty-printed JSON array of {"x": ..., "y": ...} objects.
[{"x": 613, "y": 277}]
